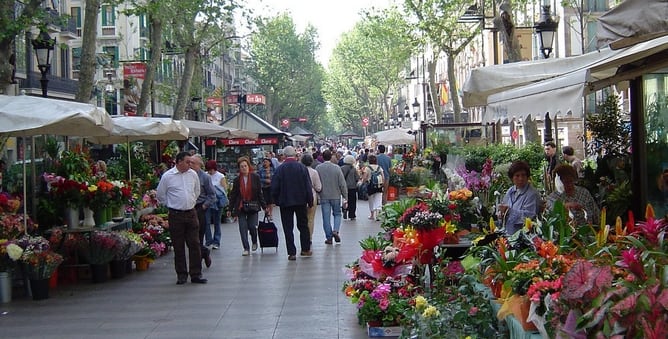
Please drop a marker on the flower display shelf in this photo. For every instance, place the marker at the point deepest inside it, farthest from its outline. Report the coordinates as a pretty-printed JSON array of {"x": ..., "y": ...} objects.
[{"x": 383, "y": 331}]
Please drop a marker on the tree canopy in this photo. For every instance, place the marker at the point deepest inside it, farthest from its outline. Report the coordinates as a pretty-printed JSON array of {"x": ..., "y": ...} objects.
[{"x": 283, "y": 64}]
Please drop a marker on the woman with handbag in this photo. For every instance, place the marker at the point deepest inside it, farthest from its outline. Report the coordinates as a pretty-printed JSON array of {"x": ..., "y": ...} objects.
[
  {"x": 246, "y": 200},
  {"x": 214, "y": 213}
]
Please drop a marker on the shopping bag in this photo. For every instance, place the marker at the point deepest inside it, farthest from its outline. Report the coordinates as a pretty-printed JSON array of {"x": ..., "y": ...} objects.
[{"x": 267, "y": 233}]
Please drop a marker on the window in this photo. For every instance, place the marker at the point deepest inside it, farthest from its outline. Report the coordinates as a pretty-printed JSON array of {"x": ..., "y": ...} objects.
[
  {"x": 143, "y": 26},
  {"x": 655, "y": 89},
  {"x": 112, "y": 52},
  {"x": 76, "y": 58},
  {"x": 75, "y": 12},
  {"x": 108, "y": 15}
]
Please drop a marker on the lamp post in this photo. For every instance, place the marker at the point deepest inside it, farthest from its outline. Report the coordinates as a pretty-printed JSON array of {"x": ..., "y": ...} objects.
[
  {"x": 416, "y": 110},
  {"x": 545, "y": 28},
  {"x": 43, "y": 45}
]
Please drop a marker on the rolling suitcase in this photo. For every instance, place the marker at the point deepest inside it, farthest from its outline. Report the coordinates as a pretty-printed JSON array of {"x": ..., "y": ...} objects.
[{"x": 267, "y": 233}]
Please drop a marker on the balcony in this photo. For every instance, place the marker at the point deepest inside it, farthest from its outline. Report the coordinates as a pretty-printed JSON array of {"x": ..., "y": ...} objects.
[{"x": 108, "y": 32}]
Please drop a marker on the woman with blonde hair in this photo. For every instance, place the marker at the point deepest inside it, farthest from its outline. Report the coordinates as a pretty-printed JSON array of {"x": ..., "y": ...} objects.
[{"x": 246, "y": 200}]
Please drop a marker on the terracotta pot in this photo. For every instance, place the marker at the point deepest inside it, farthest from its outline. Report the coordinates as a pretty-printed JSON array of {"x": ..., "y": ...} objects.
[
  {"x": 142, "y": 264},
  {"x": 392, "y": 193}
]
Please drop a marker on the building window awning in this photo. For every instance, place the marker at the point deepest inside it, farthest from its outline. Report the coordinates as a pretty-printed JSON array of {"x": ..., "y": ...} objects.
[{"x": 558, "y": 86}]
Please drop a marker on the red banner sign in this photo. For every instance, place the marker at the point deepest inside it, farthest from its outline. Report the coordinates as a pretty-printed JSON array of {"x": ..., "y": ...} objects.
[
  {"x": 249, "y": 142},
  {"x": 365, "y": 121},
  {"x": 253, "y": 99},
  {"x": 133, "y": 79}
]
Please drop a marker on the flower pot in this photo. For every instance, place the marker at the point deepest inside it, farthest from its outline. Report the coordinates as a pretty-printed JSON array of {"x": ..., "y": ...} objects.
[
  {"x": 392, "y": 193},
  {"x": 72, "y": 217},
  {"x": 128, "y": 266},
  {"x": 142, "y": 264},
  {"x": 374, "y": 329},
  {"x": 98, "y": 273},
  {"x": 39, "y": 288},
  {"x": 53, "y": 281},
  {"x": 100, "y": 216},
  {"x": 117, "y": 269},
  {"x": 411, "y": 191},
  {"x": 89, "y": 219},
  {"x": 5, "y": 287}
]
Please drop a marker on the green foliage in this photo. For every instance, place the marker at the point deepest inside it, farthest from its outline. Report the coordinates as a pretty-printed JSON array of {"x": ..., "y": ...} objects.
[
  {"x": 366, "y": 66},
  {"x": 374, "y": 243},
  {"x": 609, "y": 128},
  {"x": 392, "y": 213},
  {"x": 74, "y": 165},
  {"x": 284, "y": 66}
]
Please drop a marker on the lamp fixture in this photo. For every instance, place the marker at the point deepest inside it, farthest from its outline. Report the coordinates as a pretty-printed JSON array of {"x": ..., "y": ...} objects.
[
  {"x": 546, "y": 27},
  {"x": 43, "y": 45},
  {"x": 109, "y": 87},
  {"x": 416, "y": 108}
]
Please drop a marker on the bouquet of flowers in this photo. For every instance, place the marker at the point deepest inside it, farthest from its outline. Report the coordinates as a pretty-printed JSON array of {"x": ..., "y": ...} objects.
[
  {"x": 10, "y": 252},
  {"x": 39, "y": 260},
  {"x": 8, "y": 203},
  {"x": 381, "y": 302},
  {"x": 12, "y": 225},
  {"x": 99, "y": 247},
  {"x": 120, "y": 193},
  {"x": 130, "y": 246},
  {"x": 71, "y": 192},
  {"x": 99, "y": 195}
]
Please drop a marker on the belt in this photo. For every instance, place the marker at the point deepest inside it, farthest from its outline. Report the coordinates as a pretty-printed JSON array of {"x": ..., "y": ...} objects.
[{"x": 171, "y": 210}]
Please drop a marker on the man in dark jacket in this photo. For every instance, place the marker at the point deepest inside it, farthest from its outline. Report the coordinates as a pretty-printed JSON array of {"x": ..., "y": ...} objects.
[
  {"x": 291, "y": 191},
  {"x": 206, "y": 198}
]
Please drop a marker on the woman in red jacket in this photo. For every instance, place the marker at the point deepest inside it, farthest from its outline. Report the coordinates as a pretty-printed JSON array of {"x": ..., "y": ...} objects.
[{"x": 246, "y": 200}]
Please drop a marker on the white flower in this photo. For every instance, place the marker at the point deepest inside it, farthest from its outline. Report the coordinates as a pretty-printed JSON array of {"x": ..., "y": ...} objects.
[
  {"x": 14, "y": 251},
  {"x": 118, "y": 183}
]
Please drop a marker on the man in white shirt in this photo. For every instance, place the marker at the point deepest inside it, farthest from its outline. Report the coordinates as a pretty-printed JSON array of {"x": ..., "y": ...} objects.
[{"x": 178, "y": 189}]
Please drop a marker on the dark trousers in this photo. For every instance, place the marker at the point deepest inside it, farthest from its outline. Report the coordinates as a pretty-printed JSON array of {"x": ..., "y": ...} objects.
[
  {"x": 203, "y": 223},
  {"x": 184, "y": 229},
  {"x": 287, "y": 219},
  {"x": 351, "y": 211}
]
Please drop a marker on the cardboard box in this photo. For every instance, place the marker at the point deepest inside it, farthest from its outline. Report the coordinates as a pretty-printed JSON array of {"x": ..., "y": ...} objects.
[{"x": 389, "y": 331}]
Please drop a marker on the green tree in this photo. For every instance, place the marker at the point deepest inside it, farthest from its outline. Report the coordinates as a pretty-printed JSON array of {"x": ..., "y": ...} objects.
[
  {"x": 366, "y": 66},
  {"x": 438, "y": 22},
  {"x": 284, "y": 67},
  {"x": 30, "y": 13}
]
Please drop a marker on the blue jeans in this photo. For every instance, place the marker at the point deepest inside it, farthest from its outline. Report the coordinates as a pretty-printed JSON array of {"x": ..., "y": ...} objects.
[
  {"x": 330, "y": 207},
  {"x": 247, "y": 224},
  {"x": 214, "y": 214}
]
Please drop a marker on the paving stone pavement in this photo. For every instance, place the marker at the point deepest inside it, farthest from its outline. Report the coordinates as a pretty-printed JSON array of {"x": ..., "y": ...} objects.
[{"x": 262, "y": 296}]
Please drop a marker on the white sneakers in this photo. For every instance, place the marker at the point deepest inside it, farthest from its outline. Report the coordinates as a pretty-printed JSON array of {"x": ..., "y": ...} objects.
[{"x": 245, "y": 253}]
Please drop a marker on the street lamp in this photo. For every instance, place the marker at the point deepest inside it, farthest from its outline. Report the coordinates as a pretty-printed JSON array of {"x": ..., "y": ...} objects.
[
  {"x": 109, "y": 87},
  {"x": 416, "y": 109},
  {"x": 43, "y": 45},
  {"x": 545, "y": 28}
]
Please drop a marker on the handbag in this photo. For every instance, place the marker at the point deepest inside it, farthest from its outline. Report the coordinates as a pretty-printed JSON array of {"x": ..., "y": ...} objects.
[
  {"x": 222, "y": 197},
  {"x": 251, "y": 206}
]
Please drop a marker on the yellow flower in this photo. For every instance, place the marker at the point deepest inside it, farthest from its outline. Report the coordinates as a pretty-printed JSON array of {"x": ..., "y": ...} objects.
[
  {"x": 430, "y": 312},
  {"x": 450, "y": 228},
  {"x": 420, "y": 302},
  {"x": 92, "y": 188}
]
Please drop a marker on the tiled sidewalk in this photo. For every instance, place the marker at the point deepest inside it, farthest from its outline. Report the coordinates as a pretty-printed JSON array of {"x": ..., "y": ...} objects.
[{"x": 260, "y": 296}]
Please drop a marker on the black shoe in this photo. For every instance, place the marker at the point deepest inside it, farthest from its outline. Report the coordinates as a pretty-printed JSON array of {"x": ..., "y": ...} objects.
[
  {"x": 207, "y": 261},
  {"x": 336, "y": 236},
  {"x": 292, "y": 257},
  {"x": 181, "y": 281},
  {"x": 198, "y": 280},
  {"x": 328, "y": 241}
]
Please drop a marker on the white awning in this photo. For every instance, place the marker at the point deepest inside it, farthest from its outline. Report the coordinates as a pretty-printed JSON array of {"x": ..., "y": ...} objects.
[
  {"x": 559, "y": 95},
  {"x": 563, "y": 91}
]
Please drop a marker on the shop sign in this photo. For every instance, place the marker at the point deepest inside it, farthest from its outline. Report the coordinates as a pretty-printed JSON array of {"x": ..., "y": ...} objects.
[{"x": 249, "y": 142}]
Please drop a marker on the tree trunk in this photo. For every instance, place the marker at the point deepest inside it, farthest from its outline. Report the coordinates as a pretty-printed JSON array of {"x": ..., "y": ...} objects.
[
  {"x": 10, "y": 29},
  {"x": 156, "y": 53},
  {"x": 452, "y": 82},
  {"x": 506, "y": 29},
  {"x": 184, "y": 90},
  {"x": 88, "y": 44},
  {"x": 531, "y": 130},
  {"x": 436, "y": 103}
]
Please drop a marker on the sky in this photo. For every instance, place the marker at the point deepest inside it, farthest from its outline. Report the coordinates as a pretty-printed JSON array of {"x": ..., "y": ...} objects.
[{"x": 330, "y": 17}]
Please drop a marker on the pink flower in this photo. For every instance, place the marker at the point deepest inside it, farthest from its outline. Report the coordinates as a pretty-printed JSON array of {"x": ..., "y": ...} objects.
[
  {"x": 473, "y": 311},
  {"x": 384, "y": 304}
]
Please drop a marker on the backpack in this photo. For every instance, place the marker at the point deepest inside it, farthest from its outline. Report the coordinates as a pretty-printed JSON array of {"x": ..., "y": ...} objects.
[
  {"x": 221, "y": 197},
  {"x": 375, "y": 181}
]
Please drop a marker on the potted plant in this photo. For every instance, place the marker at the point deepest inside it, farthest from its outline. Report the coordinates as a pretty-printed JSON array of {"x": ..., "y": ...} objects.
[
  {"x": 99, "y": 248},
  {"x": 10, "y": 253},
  {"x": 39, "y": 263}
]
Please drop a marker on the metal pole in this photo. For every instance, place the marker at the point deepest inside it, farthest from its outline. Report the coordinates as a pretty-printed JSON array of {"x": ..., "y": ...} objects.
[{"x": 44, "y": 81}]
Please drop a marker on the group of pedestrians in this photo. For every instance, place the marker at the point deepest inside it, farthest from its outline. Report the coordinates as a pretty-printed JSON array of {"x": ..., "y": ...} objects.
[{"x": 296, "y": 183}]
